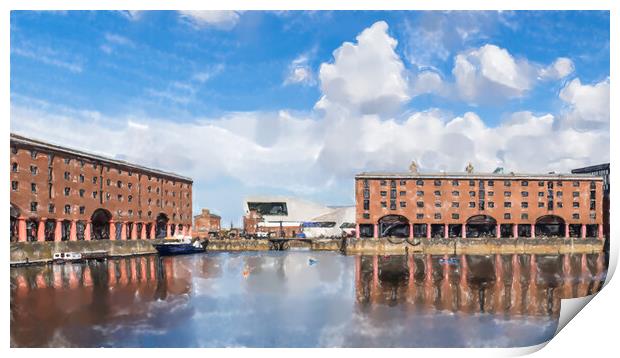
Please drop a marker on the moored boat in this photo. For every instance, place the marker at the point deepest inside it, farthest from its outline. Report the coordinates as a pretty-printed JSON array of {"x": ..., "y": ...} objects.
[
  {"x": 179, "y": 247},
  {"x": 62, "y": 257}
]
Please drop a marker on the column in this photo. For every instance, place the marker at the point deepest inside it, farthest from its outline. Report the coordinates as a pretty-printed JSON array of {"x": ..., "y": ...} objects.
[
  {"x": 134, "y": 232},
  {"x": 87, "y": 231},
  {"x": 532, "y": 231},
  {"x": 583, "y": 231},
  {"x": 58, "y": 231},
  {"x": 112, "y": 230},
  {"x": 168, "y": 230},
  {"x": 21, "y": 229},
  {"x": 600, "y": 231},
  {"x": 497, "y": 231},
  {"x": 463, "y": 231},
  {"x": 143, "y": 232},
  {"x": 446, "y": 234},
  {"x": 428, "y": 231},
  {"x": 566, "y": 231},
  {"x": 410, "y": 230},
  {"x": 41, "y": 230},
  {"x": 73, "y": 231},
  {"x": 357, "y": 231},
  {"x": 515, "y": 230},
  {"x": 123, "y": 231},
  {"x": 376, "y": 231},
  {"x": 153, "y": 230}
]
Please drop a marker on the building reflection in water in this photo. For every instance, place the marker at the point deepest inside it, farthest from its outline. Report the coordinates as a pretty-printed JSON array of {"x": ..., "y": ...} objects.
[{"x": 528, "y": 285}]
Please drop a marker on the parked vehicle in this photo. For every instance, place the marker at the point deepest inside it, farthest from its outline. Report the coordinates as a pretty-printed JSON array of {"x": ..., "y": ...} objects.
[{"x": 62, "y": 257}]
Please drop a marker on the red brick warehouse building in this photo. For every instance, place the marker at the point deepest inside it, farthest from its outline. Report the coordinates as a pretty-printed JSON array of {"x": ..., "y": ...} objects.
[
  {"x": 450, "y": 205},
  {"x": 59, "y": 194}
]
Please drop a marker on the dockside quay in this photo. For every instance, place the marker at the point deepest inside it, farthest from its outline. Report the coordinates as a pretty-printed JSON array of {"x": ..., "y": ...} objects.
[
  {"x": 478, "y": 205},
  {"x": 62, "y": 194}
]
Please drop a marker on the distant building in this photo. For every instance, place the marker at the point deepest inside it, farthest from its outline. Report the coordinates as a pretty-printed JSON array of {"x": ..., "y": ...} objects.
[
  {"x": 603, "y": 171},
  {"x": 206, "y": 223},
  {"x": 468, "y": 204},
  {"x": 287, "y": 217}
]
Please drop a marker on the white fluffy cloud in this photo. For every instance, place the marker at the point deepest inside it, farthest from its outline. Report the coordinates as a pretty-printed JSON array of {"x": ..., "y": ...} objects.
[
  {"x": 299, "y": 72},
  {"x": 561, "y": 68},
  {"x": 587, "y": 105},
  {"x": 220, "y": 19},
  {"x": 367, "y": 77}
]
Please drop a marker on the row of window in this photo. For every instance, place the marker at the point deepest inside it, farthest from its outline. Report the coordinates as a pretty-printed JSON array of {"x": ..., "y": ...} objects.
[
  {"x": 82, "y": 209},
  {"x": 437, "y": 182},
  {"x": 524, "y": 216},
  {"x": 471, "y": 193},
  {"x": 472, "y": 204}
]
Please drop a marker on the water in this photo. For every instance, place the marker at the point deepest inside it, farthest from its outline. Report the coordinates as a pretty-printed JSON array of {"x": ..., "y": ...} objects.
[{"x": 282, "y": 299}]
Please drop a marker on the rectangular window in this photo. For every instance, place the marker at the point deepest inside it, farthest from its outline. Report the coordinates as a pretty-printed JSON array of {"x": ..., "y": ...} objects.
[
  {"x": 525, "y": 193},
  {"x": 34, "y": 170},
  {"x": 119, "y": 197},
  {"x": 33, "y": 154},
  {"x": 575, "y": 183},
  {"x": 437, "y": 216},
  {"x": 541, "y": 183},
  {"x": 472, "y": 193},
  {"x": 419, "y": 193},
  {"x": 383, "y": 193},
  {"x": 82, "y": 191},
  {"x": 491, "y": 193},
  {"x": 403, "y": 204},
  {"x": 419, "y": 216},
  {"x": 455, "y": 183},
  {"x": 366, "y": 216},
  {"x": 455, "y": 204},
  {"x": 392, "y": 204},
  {"x": 67, "y": 191},
  {"x": 507, "y": 204},
  {"x": 559, "y": 194},
  {"x": 524, "y": 204},
  {"x": 575, "y": 204},
  {"x": 383, "y": 204},
  {"x": 541, "y": 205},
  {"x": 592, "y": 205},
  {"x": 491, "y": 204},
  {"x": 393, "y": 193},
  {"x": 472, "y": 183},
  {"x": 559, "y": 183},
  {"x": 437, "y": 182},
  {"x": 14, "y": 185},
  {"x": 507, "y": 193},
  {"x": 50, "y": 208},
  {"x": 403, "y": 182},
  {"x": 507, "y": 216},
  {"x": 455, "y": 216},
  {"x": 419, "y": 182},
  {"x": 491, "y": 183},
  {"x": 541, "y": 193},
  {"x": 33, "y": 187},
  {"x": 67, "y": 209},
  {"x": 507, "y": 183},
  {"x": 575, "y": 194},
  {"x": 383, "y": 182},
  {"x": 575, "y": 216},
  {"x": 33, "y": 206},
  {"x": 437, "y": 193},
  {"x": 438, "y": 204},
  {"x": 67, "y": 160},
  {"x": 524, "y": 183},
  {"x": 420, "y": 204},
  {"x": 366, "y": 193},
  {"x": 14, "y": 167},
  {"x": 67, "y": 176},
  {"x": 524, "y": 216},
  {"x": 81, "y": 178},
  {"x": 392, "y": 183},
  {"x": 592, "y": 215},
  {"x": 455, "y": 193},
  {"x": 366, "y": 204},
  {"x": 560, "y": 204},
  {"x": 94, "y": 180},
  {"x": 472, "y": 204},
  {"x": 94, "y": 195},
  {"x": 402, "y": 193},
  {"x": 365, "y": 183},
  {"x": 82, "y": 209}
]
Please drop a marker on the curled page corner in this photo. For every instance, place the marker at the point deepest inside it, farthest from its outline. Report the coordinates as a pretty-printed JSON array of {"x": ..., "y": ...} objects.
[{"x": 569, "y": 307}]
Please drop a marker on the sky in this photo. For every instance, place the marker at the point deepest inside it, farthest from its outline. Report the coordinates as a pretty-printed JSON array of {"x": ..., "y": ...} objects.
[{"x": 296, "y": 103}]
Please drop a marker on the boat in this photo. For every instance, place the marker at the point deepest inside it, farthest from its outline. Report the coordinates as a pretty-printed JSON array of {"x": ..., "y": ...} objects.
[
  {"x": 180, "y": 246},
  {"x": 62, "y": 257}
]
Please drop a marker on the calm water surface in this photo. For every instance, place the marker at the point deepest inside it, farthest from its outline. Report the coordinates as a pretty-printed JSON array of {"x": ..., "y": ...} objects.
[{"x": 284, "y": 299}]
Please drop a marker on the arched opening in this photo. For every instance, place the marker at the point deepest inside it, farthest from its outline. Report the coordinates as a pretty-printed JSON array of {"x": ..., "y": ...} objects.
[
  {"x": 65, "y": 230},
  {"x": 139, "y": 227},
  {"x": 149, "y": 226},
  {"x": 366, "y": 230},
  {"x": 50, "y": 230},
  {"x": 129, "y": 231},
  {"x": 172, "y": 229},
  {"x": 550, "y": 225},
  {"x": 394, "y": 225},
  {"x": 80, "y": 230},
  {"x": 160, "y": 226},
  {"x": 14, "y": 224},
  {"x": 481, "y": 226},
  {"x": 31, "y": 229},
  {"x": 100, "y": 224}
]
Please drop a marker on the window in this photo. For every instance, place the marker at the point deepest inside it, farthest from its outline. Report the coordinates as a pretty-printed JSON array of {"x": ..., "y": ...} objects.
[
  {"x": 455, "y": 183},
  {"x": 67, "y": 191},
  {"x": 67, "y": 209},
  {"x": 365, "y": 184},
  {"x": 107, "y": 182},
  {"x": 120, "y": 171},
  {"x": 559, "y": 183},
  {"x": 575, "y": 194},
  {"x": 81, "y": 163},
  {"x": 560, "y": 204},
  {"x": 94, "y": 165},
  {"x": 82, "y": 209},
  {"x": 50, "y": 208},
  {"x": 67, "y": 176},
  {"x": 455, "y": 216},
  {"x": 94, "y": 180},
  {"x": 393, "y": 193},
  {"x": 119, "y": 197},
  {"x": 150, "y": 213},
  {"x": 82, "y": 191},
  {"x": 402, "y": 193},
  {"x": 491, "y": 183},
  {"x": 366, "y": 193},
  {"x": 472, "y": 193},
  {"x": 491, "y": 193},
  {"x": 150, "y": 200},
  {"x": 33, "y": 187},
  {"x": 491, "y": 204},
  {"x": 541, "y": 205},
  {"x": 455, "y": 193},
  {"x": 592, "y": 215},
  {"x": 130, "y": 212},
  {"x": 592, "y": 185},
  {"x": 506, "y": 182},
  {"x": 472, "y": 183},
  {"x": 419, "y": 193},
  {"x": 33, "y": 154},
  {"x": 130, "y": 174},
  {"x": 438, "y": 204},
  {"x": 575, "y": 216},
  {"x": 437, "y": 193},
  {"x": 525, "y": 193},
  {"x": 419, "y": 182},
  {"x": 507, "y": 216},
  {"x": 14, "y": 150},
  {"x": 34, "y": 170},
  {"x": 383, "y": 182},
  {"x": 455, "y": 204},
  {"x": 14, "y": 167},
  {"x": 507, "y": 204},
  {"x": 107, "y": 196},
  {"x": 437, "y": 216},
  {"x": 575, "y": 183},
  {"x": 437, "y": 182},
  {"x": 419, "y": 216},
  {"x": 14, "y": 185},
  {"x": 420, "y": 204},
  {"x": 403, "y": 182},
  {"x": 472, "y": 204},
  {"x": 129, "y": 198},
  {"x": 129, "y": 185},
  {"x": 403, "y": 204},
  {"x": 524, "y": 204},
  {"x": 119, "y": 184},
  {"x": 524, "y": 183},
  {"x": 366, "y": 204},
  {"x": 541, "y": 183},
  {"x": 524, "y": 216},
  {"x": 67, "y": 160},
  {"x": 157, "y": 191},
  {"x": 366, "y": 216},
  {"x": 541, "y": 193},
  {"x": 383, "y": 204},
  {"x": 148, "y": 189},
  {"x": 81, "y": 178},
  {"x": 575, "y": 204},
  {"x": 592, "y": 204},
  {"x": 392, "y": 204},
  {"x": 33, "y": 206},
  {"x": 94, "y": 195},
  {"x": 383, "y": 193},
  {"x": 507, "y": 193}
]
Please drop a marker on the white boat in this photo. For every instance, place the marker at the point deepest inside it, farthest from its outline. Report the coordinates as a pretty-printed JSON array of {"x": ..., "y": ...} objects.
[{"x": 60, "y": 257}]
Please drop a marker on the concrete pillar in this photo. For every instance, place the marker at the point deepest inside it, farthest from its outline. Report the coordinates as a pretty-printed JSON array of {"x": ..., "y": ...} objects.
[
  {"x": 566, "y": 231},
  {"x": 428, "y": 231},
  {"x": 134, "y": 232},
  {"x": 463, "y": 231},
  {"x": 445, "y": 231},
  {"x": 497, "y": 231},
  {"x": 87, "y": 231},
  {"x": 143, "y": 232},
  {"x": 532, "y": 231},
  {"x": 583, "y": 231},
  {"x": 357, "y": 231},
  {"x": 73, "y": 231},
  {"x": 410, "y": 230},
  {"x": 515, "y": 230},
  {"x": 153, "y": 230},
  {"x": 41, "y": 230},
  {"x": 58, "y": 230},
  {"x": 112, "y": 230},
  {"x": 600, "y": 231},
  {"x": 376, "y": 231},
  {"x": 123, "y": 231},
  {"x": 168, "y": 228},
  {"x": 21, "y": 229}
]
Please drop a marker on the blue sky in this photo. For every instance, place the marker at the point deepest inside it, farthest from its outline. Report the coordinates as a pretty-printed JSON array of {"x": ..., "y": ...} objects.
[{"x": 297, "y": 102}]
